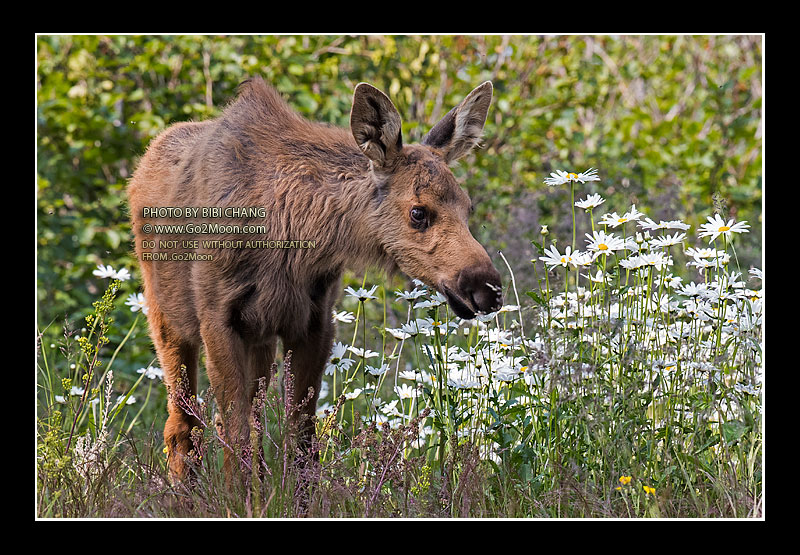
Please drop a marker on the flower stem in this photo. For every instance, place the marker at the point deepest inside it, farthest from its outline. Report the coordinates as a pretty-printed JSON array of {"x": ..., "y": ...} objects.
[{"x": 572, "y": 191}]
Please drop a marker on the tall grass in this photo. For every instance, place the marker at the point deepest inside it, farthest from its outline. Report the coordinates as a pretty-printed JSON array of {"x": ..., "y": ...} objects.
[{"x": 624, "y": 386}]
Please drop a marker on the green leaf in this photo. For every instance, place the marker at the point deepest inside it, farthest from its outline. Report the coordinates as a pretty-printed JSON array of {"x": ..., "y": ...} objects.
[
  {"x": 733, "y": 431},
  {"x": 537, "y": 298}
]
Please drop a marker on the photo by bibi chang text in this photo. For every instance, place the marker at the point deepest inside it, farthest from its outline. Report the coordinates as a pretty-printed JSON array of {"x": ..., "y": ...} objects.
[{"x": 204, "y": 212}]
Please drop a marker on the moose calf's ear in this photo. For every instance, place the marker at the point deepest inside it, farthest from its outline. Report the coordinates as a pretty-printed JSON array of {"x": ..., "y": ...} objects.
[
  {"x": 460, "y": 130},
  {"x": 375, "y": 124}
]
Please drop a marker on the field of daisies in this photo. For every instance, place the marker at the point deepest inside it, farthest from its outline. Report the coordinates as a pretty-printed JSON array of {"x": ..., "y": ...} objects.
[{"x": 627, "y": 384}]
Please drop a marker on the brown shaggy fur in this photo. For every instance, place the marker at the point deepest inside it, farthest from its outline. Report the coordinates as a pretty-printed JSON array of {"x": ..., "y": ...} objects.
[{"x": 363, "y": 196}]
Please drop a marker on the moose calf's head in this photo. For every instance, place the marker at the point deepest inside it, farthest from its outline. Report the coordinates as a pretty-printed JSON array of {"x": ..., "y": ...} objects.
[{"x": 421, "y": 213}]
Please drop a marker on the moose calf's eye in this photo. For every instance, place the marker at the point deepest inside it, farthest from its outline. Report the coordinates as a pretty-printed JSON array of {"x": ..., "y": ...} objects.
[{"x": 418, "y": 215}]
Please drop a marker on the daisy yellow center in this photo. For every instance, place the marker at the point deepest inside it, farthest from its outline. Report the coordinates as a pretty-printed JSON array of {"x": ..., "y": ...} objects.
[
  {"x": 602, "y": 247},
  {"x": 724, "y": 228},
  {"x": 572, "y": 176},
  {"x": 621, "y": 220},
  {"x": 563, "y": 259}
]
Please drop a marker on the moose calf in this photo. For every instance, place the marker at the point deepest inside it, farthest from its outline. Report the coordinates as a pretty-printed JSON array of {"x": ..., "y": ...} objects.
[{"x": 361, "y": 195}]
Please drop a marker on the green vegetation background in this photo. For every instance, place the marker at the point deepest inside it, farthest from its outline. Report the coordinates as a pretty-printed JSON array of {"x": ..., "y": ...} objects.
[{"x": 672, "y": 123}]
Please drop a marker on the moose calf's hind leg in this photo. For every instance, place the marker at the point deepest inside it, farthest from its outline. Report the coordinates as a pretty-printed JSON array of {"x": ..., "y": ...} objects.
[
  {"x": 234, "y": 385},
  {"x": 260, "y": 358}
]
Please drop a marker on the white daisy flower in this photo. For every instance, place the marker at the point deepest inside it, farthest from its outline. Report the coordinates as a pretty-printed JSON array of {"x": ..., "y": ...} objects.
[
  {"x": 377, "y": 371},
  {"x": 582, "y": 259},
  {"x": 104, "y": 271},
  {"x": 361, "y": 294},
  {"x": 701, "y": 263},
  {"x": 361, "y": 352},
  {"x": 343, "y": 316},
  {"x": 398, "y": 334},
  {"x": 435, "y": 300},
  {"x": 633, "y": 214},
  {"x": 716, "y": 226},
  {"x": 560, "y": 177},
  {"x": 122, "y": 275},
  {"x": 506, "y": 372},
  {"x": 338, "y": 363},
  {"x": 136, "y": 302},
  {"x": 407, "y": 375},
  {"x": 598, "y": 277},
  {"x": 613, "y": 219},
  {"x": 129, "y": 401},
  {"x": 633, "y": 262},
  {"x": 405, "y": 391},
  {"x": 410, "y": 295},
  {"x": 668, "y": 240},
  {"x": 592, "y": 201},
  {"x": 700, "y": 253},
  {"x": 428, "y": 326},
  {"x": 353, "y": 394},
  {"x": 151, "y": 372},
  {"x": 671, "y": 281},
  {"x": 648, "y": 223},
  {"x": 554, "y": 258},
  {"x": 337, "y": 352},
  {"x": 390, "y": 408},
  {"x": 677, "y": 224},
  {"x": 411, "y": 328},
  {"x": 602, "y": 243},
  {"x": 657, "y": 259},
  {"x": 722, "y": 257}
]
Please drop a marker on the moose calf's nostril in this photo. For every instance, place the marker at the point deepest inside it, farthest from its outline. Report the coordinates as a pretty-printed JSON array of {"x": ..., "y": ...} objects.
[
  {"x": 498, "y": 291},
  {"x": 481, "y": 286}
]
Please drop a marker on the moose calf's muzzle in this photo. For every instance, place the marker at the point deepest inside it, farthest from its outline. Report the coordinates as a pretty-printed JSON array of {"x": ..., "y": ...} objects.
[{"x": 477, "y": 290}]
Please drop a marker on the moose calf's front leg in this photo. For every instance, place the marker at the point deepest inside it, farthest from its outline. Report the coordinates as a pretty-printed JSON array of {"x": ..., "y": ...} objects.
[{"x": 309, "y": 355}]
